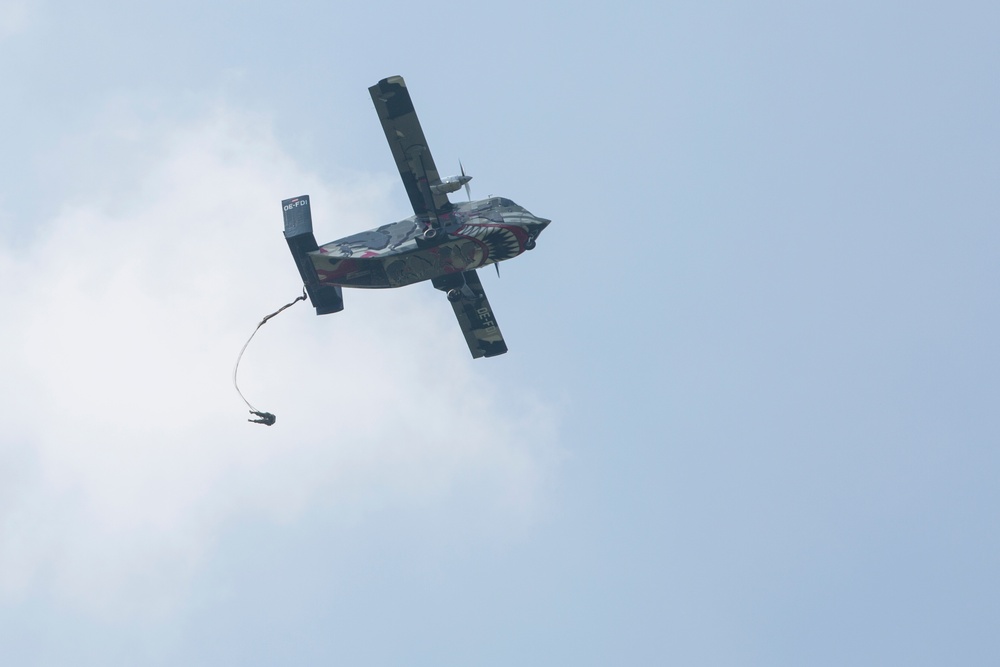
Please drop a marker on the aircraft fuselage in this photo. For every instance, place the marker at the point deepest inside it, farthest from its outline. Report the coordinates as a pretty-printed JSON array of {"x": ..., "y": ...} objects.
[{"x": 466, "y": 237}]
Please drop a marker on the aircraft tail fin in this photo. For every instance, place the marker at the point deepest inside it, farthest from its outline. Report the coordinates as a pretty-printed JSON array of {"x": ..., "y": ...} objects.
[{"x": 299, "y": 236}]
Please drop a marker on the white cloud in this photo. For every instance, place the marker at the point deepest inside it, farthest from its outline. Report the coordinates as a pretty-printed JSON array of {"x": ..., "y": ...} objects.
[{"x": 125, "y": 448}]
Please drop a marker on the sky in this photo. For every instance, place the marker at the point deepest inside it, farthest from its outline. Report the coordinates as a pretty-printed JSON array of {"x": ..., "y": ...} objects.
[{"x": 749, "y": 412}]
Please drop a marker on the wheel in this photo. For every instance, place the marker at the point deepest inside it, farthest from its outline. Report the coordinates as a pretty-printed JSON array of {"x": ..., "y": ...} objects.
[
  {"x": 529, "y": 244},
  {"x": 454, "y": 295}
]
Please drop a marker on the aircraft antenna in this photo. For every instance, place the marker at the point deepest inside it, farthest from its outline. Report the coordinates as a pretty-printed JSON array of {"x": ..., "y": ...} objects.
[{"x": 265, "y": 418}]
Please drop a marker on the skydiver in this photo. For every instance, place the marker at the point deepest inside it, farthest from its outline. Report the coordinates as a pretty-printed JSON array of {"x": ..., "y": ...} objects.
[{"x": 265, "y": 418}]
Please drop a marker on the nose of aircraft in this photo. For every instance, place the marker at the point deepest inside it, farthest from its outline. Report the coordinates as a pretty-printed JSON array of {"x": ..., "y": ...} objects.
[
  {"x": 534, "y": 228},
  {"x": 540, "y": 224}
]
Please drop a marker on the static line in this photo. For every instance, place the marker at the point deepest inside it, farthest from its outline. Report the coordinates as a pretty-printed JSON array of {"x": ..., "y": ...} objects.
[{"x": 265, "y": 418}]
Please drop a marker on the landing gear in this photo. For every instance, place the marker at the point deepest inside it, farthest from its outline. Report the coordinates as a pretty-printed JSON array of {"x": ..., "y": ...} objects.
[
  {"x": 454, "y": 295},
  {"x": 530, "y": 243}
]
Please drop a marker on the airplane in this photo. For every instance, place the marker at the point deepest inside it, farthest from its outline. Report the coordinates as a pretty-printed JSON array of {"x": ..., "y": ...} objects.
[{"x": 442, "y": 241}]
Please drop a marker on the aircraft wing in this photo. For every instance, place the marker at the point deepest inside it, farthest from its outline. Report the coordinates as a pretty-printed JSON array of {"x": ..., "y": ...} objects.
[
  {"x": 474, "y": 315},
  {"x": 409, "y": 148}
]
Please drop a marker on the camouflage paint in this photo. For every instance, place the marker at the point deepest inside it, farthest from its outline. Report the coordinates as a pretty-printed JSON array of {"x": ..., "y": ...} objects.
[
  {"x": 443, "y": 242},
  {"x": 472, "y": 235}
]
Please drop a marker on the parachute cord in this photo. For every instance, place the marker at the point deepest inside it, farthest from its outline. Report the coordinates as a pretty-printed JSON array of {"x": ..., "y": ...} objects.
[{"x": 265, "y": 418}]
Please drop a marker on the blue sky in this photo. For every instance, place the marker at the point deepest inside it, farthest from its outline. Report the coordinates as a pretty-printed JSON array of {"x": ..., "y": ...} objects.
[{"x": 749, "y": 413}]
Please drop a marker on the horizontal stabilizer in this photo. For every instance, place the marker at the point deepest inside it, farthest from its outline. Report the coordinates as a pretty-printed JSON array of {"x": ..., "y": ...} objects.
[{"x": 299, "y": 236}]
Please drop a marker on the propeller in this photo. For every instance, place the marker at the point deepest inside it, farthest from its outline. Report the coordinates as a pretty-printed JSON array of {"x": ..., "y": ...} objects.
[{"x": 468, "y": 191}]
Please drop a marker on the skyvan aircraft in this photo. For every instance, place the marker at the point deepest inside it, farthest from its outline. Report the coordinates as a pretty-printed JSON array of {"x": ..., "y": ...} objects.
[{"x": 443, "y": 242}]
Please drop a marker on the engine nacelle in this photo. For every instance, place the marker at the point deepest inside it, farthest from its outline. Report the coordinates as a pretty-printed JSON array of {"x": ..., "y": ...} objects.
[{"x": 450, "y": 184}]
